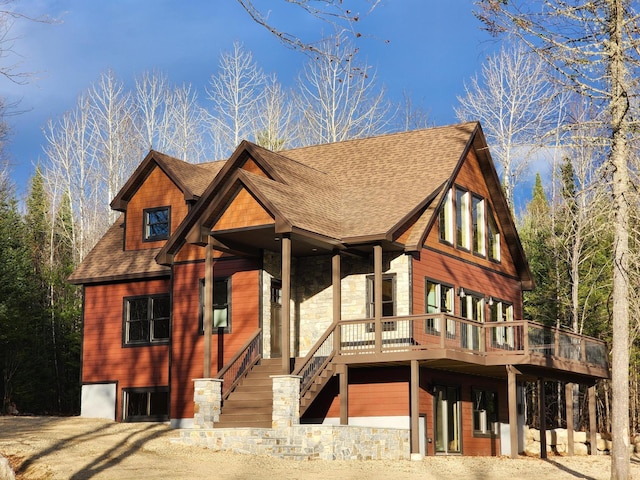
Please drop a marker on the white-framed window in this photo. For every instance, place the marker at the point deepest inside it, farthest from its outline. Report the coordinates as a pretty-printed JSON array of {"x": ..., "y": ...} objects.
[
  {"x": 439, "y": 298},
  {"x": 462, "y": 219},
  {"x": 146, "y": 319},
  {"x": 445, "y": 219},
  {"x": 478, "y": 225}
]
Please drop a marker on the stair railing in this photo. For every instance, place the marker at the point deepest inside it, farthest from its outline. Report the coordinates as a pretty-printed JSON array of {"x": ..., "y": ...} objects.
[
  {"x": 239, "y": 366},
  {"x": 315, "y": 362}
]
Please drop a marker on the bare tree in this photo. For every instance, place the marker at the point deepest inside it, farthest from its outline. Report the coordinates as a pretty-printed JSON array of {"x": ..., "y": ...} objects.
[
  {"x": 595, "y": 48},
  {"x": 274, "y": 124},
  {"x": 514, "y": 101},
  {"x": 185, "y": 120},
  {"x": 151, "y": 94},
  {"x": 338, "y": 98},
  {"x": 411, "y": 116}
]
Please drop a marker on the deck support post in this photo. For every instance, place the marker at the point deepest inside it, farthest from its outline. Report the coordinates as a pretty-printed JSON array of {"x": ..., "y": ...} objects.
[
  {"x": 208, "y": 305},
  {"x": 542, "y": 409},
  {"x": 414, "y": 386},
  {"x": 377, "y": 295},
  {"x": 337, "y": 300},
  {"x": 344, "y": 396},
  {"x": 512, "y": 396},
  {"x": 568, "y": 396},
  {"x": 593, "y": 424},
  {"x": 286, "y": 305}
]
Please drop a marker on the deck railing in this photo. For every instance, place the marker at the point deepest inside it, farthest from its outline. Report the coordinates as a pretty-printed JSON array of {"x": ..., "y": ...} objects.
[
  {"x": 316, "y": 360},
  {"x": 240, "y": 364}
]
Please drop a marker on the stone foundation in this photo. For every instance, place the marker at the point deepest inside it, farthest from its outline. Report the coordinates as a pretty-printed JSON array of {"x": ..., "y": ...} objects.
[
  {"x": 557, "y": 442},
  {"x": 207, "y": 400}
]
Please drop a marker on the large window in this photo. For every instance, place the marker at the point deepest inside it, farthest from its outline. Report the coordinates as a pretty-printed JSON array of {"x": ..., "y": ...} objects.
[
  {"x": 156, "y": 224},
  {"x": 146, "y": 404},
  {"x": 445, "y": 223},
  {"x": 221, "y": 305},
  {"x": 485, "y": 411},
  {"x": 146, "y": 319},
  {"x": 493, "y": 237},
  {"x": 388, "y": 301},
  {"x": 439, "y": 299},
  {"x": 478, "y": 225},
  {"x": 462, "y": 219},
  {"x": 502, "y": 337},
  {"x": 472, "y": 308}
]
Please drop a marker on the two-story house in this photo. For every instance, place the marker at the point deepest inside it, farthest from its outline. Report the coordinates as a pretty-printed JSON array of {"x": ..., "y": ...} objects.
[{"x": 387, "y": 272}]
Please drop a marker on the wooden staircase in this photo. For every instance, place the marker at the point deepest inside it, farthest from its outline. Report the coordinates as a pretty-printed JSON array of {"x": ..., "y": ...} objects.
[
  {"x": 316, "y": 386},
  {"x": 251, "y": 403}
]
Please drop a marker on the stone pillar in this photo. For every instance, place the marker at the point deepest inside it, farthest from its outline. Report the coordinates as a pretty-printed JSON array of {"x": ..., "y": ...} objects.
[
  {"x": 207, "y": 399},
  {"x": 286, "y": 401}
]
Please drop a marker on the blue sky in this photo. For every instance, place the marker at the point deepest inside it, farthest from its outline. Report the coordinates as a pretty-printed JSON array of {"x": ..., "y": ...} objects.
[{"x": 426, "y": 47}]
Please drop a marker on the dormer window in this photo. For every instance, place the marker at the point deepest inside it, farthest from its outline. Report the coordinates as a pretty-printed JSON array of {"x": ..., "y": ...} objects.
[{"x": 156, "y": 224}]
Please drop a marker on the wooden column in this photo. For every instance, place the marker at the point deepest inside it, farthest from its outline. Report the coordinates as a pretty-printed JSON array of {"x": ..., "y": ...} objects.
[
  {"x": 542, "y": 407},
  {"x": 337, "y": 299},
  {"x": 344, "y": 396},
  {"x": 512, "y": 396},
  {"x": 377, "y": 295},
  {"x": 286, "y": 305},
  {"x": 414, "y": 401},
  {"x": 593, "y": 424},
  {"x": 568, "y": 397},
  {"x": 207, "y": 318}
]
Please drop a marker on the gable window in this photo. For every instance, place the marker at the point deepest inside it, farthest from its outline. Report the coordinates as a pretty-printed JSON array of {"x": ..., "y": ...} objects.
[
  {"x": 156, "y": 223},
  {"x": 493, "y": 237},
  {"x": 388, "y": 301},
  {"x": 478, "y": 225},
  {"x": 445, "y": 223},
  {"x": 221, "y": 306},
  {"x": 462, "y": 219},
  {"x": 439, "y": 299},
  {"x": 485, "y": 411},
  {"x": 146, "y": 319},
  {"x": 146, "y": 404}
]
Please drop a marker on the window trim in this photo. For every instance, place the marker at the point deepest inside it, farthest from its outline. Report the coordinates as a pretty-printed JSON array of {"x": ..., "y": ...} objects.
[
  {"x": 146, "y": 236},
  {"x": 148, "y": 417},
  {"x": 126, "y": 342},
  {"x": 214, "y": 331}
]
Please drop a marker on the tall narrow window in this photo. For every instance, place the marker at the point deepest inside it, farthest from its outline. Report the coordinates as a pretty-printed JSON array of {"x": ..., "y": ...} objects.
[
  {"x": 221, "y": 305},
  {"x": 156, "y": 224},
  {"x": 478, "y": 225},
  {"x": 146, "y": 319},
  {"x": 485, "y": 411},
  {"x": 493, "y": 236},
  {"x": 445, "y": 224},
  {"x": 439, "y": 299},
  {"x": 472, "y": 308},
  {"x": 462, "y": 219},
  {"x": 388, "y": 301},
  {"x": 502, "y": 337}
]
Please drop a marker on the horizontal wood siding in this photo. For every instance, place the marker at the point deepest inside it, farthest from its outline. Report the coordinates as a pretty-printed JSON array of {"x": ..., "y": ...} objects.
[
  {"x": 158, "y": 190},
  {"x": 103, "y": 356},
  {"x": 188, "y": 343}
]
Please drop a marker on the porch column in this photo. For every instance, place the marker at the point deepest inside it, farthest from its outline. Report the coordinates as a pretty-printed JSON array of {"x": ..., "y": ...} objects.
[
  {"x": 208, "y": 305},
  {"x": 377, "y": 295},
  {"x": 414, "y": 401},
  {"x": 593, "y": 424},
  {"x": 542, "y": 407},
  {"x": 568, "y": 397},
  {"x": 286, "y": 305},
  {"x": 344, "y": 396},
  {"x": 337, "y": 299},
  {"x": 512, "y": 396}
]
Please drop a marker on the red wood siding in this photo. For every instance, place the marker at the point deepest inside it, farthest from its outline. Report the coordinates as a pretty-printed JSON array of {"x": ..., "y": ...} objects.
[
  {"x": 244, "y": 211},
  {"x": 188, "y": 344},
  {"x": 103, "y": 356},
  {"x": 158, "y": 190}
]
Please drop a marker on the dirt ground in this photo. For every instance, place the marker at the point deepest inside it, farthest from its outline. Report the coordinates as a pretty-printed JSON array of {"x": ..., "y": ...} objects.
[{"x": 75, "y": 448}]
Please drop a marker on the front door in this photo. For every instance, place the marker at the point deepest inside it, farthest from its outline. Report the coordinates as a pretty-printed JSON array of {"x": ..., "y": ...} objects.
[
  {"x": 447, "y": 420},
  {"x": 276, "y": 318}
]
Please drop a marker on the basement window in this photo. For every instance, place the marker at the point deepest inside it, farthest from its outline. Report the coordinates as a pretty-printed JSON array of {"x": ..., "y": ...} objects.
[
  {"x": 485, "y": 411},
  {"x": 149, "y": 404}
]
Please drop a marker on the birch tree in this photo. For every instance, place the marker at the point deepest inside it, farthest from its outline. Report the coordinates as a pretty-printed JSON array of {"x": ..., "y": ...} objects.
[
  {"x": 152, "y": 95},
  {"x": 185, "y": 125},
  {"x": 274, "y": 126},
  {"x": 594, "y": 47}
]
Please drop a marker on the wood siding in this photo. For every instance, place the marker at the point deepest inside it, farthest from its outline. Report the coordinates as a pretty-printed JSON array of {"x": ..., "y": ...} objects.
[
  {"x": 244, "y": 211},
  {"x": 251, "y": 166},
  {"x": 188, "y": 343},
  {"x": 104, "y": 358},
  {"x": 158, "y": 190}
]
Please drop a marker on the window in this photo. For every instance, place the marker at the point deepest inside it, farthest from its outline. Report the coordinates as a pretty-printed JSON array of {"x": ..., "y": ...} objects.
[
  {"x": 472, "y": 308},
  {"x": 388, "y": 301},
  {"x": 493, "y": 237},
  {"x": 146, "y": 404},
  {"x": 502, "y": 337},
  {"x": 146, "y": 319},
  {"x": 462, "y": 219},
  {"x": 221, "y": 305},
  {"x": 445, "y": 225},
  {"x": 156, "y": 224},
  {"x": 438, "y": 299},
  {"x": 485, "y": 411},
  {"x": 478, "y": 225}
]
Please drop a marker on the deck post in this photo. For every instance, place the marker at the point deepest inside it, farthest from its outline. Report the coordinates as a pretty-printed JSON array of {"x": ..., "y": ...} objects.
[
  {"x": 414, "y": 386},
  {"x": 337, "y": 300},
  {"x": 344, "y": 396},
  {"x": 542, "y": 408},
  {"x": 286, "y": 305},
  {"x": 568, "y": 396},
  {"x": 593, "y": 425},
  {"x": 377, "y": 295},
  {"x": 512, "y": 396},
  {"x": 208, "y": 305}
]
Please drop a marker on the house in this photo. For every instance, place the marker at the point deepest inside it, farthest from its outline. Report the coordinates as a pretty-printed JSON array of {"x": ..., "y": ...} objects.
[{"x": 386, "y": 272}]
